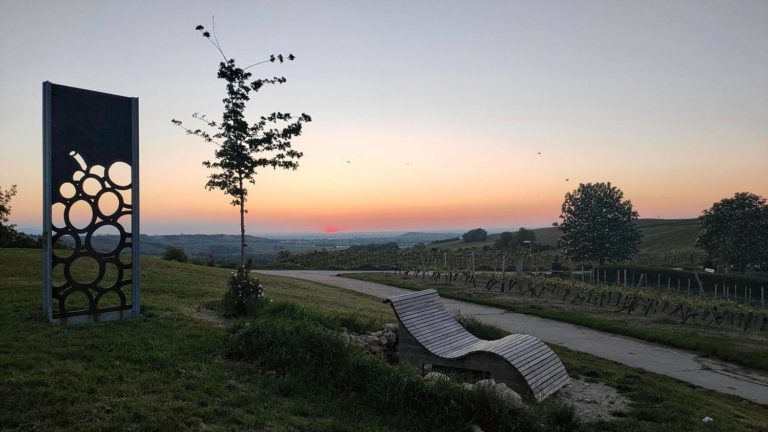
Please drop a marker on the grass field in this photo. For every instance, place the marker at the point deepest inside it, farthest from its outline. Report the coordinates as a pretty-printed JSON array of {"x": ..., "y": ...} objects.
[
  {"x": 168, "y": 369},
  {"x": 721, "y": 342}
]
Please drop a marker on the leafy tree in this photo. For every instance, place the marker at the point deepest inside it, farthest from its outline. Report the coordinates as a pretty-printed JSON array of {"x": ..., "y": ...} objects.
[
  {"x": 735, "y": 230},
  {"x": 475, "y": 235},
  {"x": 506, "y": 241},
  {"x": 598, "y": 224},
  {"x": 8, "y": 233},
  {"x": 243, "y": 147},
  {"x": 525, "y": 235},
  {"x": 175, "y": 253}
]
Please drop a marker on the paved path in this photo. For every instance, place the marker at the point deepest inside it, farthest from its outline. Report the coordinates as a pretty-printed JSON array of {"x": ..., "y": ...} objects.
[{"x": 685, "y": 366}]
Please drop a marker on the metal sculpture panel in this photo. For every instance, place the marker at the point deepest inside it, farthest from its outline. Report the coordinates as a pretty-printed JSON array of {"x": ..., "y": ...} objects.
[{"x": 90, "y": 211}]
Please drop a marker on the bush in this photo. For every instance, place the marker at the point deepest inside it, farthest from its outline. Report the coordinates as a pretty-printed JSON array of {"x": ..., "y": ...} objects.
[
  {"x": 244, "y": 294},
  {"x": 174, "y": 253},
  {"x": 288, "y": 340},
  {"x": 475, "y": 235}
]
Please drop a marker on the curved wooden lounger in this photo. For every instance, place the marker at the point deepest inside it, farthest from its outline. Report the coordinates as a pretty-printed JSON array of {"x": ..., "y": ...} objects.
[{"x": 428, "y": 334}]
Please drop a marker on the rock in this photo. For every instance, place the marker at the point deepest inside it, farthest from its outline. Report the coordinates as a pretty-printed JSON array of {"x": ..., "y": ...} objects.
[
  {"x": 371, "y": 339},
  {"x": 436, "y": 376},
  {"x": 343, "y": 329},
  {"x": 382, "y": 340},
  {"x": 391, "y": 337},
  {"x": 475, "y": 428},
  {"x": 490, "y": 382},
  {"x": 707, "y": 419},
  {"x": 508, "y": 395},
  {"x": 468, "y": 386},
  {"x": 392, "y": 327}
]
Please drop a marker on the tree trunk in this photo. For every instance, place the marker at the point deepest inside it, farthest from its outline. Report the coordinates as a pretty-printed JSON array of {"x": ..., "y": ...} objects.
[{"x": 242, "y": 225}]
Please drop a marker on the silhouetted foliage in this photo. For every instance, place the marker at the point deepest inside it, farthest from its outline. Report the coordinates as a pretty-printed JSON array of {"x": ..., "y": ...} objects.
[
  {"x": 175, "y": 253},
  {"x": 245, "y": 147},
  {"x": 525, "y": 235},
  {"x": 475, "y": 235},
  {"x": 598, "y": 224},
  {"x": 506, "y": 241},
  {"x": 373, "y": 247},
  {"x": 735, "y": 231}
]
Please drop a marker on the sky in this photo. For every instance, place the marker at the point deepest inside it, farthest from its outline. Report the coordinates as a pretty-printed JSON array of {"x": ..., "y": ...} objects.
[{"x": 427, "y": 115}]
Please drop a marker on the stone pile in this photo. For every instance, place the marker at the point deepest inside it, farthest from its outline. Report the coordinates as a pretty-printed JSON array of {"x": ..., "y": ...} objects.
[
  {"x": 381, "y": 343},
  {"x": 501, "y": 390}
]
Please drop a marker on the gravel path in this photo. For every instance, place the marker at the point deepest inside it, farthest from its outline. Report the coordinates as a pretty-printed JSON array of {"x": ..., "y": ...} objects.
[{"x": 683, "y": 365}]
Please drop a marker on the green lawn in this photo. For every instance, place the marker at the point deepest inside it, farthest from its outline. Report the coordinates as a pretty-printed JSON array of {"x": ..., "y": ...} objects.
[
  {"x": 168, "y": 370},
  {"x": 725, "y": 343}
]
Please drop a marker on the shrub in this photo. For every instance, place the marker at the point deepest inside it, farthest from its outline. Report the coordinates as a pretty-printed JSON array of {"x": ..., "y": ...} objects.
[
  {"x": 244, "y": 294},
  {"x": 175, "y": 253},
  {"x": 285, "y": 339}
]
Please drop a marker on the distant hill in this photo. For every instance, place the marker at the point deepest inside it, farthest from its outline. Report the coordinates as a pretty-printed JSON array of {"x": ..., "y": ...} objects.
[{"x": 660, "y": 236}]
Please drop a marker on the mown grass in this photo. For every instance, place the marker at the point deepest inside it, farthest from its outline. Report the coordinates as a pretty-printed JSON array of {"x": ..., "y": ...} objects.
[
  {"x": 169, "y": 370},
  {"x": 164, "y": 371},
  {"x": 709, "y": 346}
]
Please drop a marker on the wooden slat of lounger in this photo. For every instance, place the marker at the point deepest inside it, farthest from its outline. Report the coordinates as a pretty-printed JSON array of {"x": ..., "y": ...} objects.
[
  {"x": 552, "y": 387},
  {"x": 435, "y": 342},
  {"x": 535, "y": 362},
  {"x": 420, "y": 327},
  {"x": 511, "y": 351},
  {"x": 413, "y": 321},
  {"x": 422, "y": 312},
  {"x": 420, "y": 304},
  {"x": 452, "y": 342},
  {"x": 548, "y": 366},
  {"x": 415, "y": 317},
  {"x": 426, "y": 296},
  {"x": 546, "y": 374},
  {"x": 411, "y": 295},
  {"x": 432, "y": 339},
  {"x": 529, "y": 354},
  {"x": 455, "y": 348}
]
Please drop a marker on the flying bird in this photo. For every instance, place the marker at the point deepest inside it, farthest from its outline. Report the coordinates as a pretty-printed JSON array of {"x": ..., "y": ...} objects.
[
  {"x": 538, "y": 153},
  {"x": 349, "y": 162},
  {"x": 567, "y": 179}
]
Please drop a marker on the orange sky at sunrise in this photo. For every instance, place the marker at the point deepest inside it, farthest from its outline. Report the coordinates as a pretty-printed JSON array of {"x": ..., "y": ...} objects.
[{"x": 442, "y": 124}]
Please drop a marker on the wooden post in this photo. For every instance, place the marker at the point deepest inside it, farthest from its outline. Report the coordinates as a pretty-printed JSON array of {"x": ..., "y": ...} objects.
[
  {"x": 503, "y": 272},
  {"x": 715, "y": 291},
  {"x": 762, "y": 296},
  {"x": 625, "y": 278},
  {"x": 678, "y": 285},
  {"x": 605, "y": 277},
  {"x": 582, "y": 272},
  {"x": 658, "y": 281},
  {"x": 689, "y": 286},
  {"x": 473, "y": 262},
  {"x": 669, "y": 283}
]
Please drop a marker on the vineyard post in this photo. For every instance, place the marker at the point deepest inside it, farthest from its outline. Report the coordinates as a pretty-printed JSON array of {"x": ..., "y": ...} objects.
[
  {"x": 658, "y": 281},
  {"x": 669, "y": 282},
  {"x": 689, "y": 286},
  {"x": 625, "y": 278},
  {"x": 762, "y": 296},
  {"x": 678, "y": 285},
  {"x": 605, "y": 277},
  {"x": 736, "y": 292},
  {"x": 503, "y": 271},
  {"x": 582, "y": 273},
  {"x": 715, "y": 291},
  {"x": 473, "y": 262},
  {"x": 745, "y": 294}
]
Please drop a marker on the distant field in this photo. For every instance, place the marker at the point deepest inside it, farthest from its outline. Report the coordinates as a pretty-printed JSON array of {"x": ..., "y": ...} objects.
[{"x": 660, "y": 236}]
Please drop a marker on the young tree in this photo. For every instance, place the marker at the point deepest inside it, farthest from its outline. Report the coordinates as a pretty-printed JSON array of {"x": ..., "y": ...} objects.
[
  {"x": 598, "y": 224},
  {"x": 475, "y": 235},
  {"x": 735, "y": 230},
  {"x": 243, "y": 147}
]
